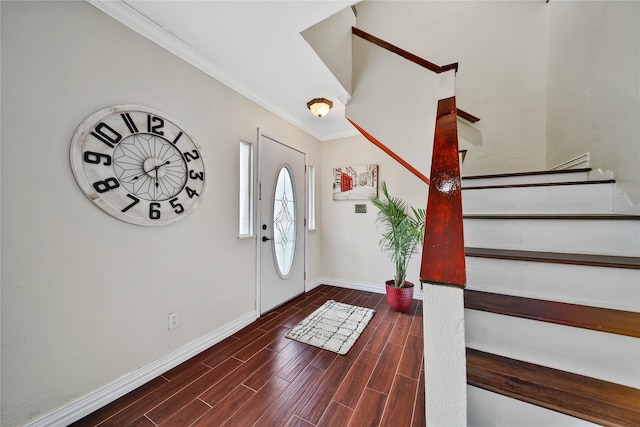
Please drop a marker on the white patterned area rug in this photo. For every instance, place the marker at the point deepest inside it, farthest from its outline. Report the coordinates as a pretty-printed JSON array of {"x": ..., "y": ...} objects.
[{"x": 334, "y": 326}]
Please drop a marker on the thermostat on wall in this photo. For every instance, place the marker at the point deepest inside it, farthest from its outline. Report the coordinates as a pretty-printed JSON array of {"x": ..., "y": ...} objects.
[{"x": 361, "y": 208}]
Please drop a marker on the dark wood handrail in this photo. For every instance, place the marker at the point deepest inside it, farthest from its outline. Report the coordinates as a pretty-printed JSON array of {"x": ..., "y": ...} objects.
[
  {"x": 390, "y": 152},
  {"x": 467, "y": 116},
  {"x": 416, "y": 60},
  {"x": 579, "y": 316},
  {"x": 405, "y": 54},
  {"x": 443, "y": 259}
]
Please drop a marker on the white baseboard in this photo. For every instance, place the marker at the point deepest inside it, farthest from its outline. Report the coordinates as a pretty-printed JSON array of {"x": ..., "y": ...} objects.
[
  {"x": 104, "y": 395},
  {"x": 129, "y": 382},
  {"x": 313, "y": 284},
  {"x": 360, "y": 286}
]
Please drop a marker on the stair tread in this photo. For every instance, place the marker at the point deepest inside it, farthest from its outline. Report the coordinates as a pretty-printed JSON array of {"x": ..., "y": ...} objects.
[
  {"x": 583, "y": 397},
  {"x": 581, "y": 316},
  {"x": 568, "y": 216},
  {"x": 540, "y": 184},
  {"x": 531, "y": 173},
  {"x": 612, "y": 261}
]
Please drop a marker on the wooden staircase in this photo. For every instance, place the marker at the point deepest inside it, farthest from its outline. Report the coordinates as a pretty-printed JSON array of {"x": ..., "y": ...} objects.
[
  {"x": 552, "y": 304},
  {"x": 594, "y": 400}
]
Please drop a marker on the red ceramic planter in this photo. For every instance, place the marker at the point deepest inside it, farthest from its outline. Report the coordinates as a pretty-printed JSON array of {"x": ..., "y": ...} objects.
[{"x": 400, "y": 299}]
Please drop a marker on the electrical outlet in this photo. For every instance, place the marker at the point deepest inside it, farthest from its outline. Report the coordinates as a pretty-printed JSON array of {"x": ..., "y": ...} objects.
[{"x": 174, "y": 320}]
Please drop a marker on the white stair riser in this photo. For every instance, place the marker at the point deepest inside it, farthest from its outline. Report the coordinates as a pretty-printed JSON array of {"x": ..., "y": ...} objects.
[
  {"x": 616, "y": 288},
  {"x": 602, "y": 237},
  {"x": 526, "y": 179},
  {"x": 590, "y": 198},
  {"x": 605, "y": 356},
  {"x": 487, "y": 409}
]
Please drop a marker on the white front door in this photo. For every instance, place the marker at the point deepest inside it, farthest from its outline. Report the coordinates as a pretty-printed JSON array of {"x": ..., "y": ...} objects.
[{"x": 281, "y": 223}]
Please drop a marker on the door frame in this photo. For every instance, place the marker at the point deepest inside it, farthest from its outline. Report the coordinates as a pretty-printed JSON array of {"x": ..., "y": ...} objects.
[{"x": 259, "y": 214}]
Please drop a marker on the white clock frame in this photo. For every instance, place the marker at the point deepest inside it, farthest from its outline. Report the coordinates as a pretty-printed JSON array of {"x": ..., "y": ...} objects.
[{"x": 138, "y": 165}]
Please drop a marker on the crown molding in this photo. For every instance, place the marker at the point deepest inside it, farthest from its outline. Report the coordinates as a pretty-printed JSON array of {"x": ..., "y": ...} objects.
[{"x": 126, "y": 14}]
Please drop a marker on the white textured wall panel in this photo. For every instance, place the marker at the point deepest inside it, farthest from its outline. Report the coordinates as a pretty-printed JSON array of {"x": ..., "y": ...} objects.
[
  {"x": 487, "y": 409},
  {"x": 616, "y": 288},
  {"x": 601, "y": 236}
]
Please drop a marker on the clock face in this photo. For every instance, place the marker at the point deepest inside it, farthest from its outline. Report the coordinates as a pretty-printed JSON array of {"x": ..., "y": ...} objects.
[{"x": 138, "y": 165}]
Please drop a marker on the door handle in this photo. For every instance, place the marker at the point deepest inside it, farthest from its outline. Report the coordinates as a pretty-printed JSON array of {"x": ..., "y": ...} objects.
[{"x": 266, "y": 239}]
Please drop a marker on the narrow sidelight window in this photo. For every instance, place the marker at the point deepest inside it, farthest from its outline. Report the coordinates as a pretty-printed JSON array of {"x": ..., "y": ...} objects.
[
  {"x": 246, "y": 189},
  {"x": 311, "y": 191}
]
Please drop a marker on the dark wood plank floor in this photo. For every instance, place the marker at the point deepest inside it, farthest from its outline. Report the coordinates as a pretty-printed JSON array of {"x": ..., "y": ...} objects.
[{"x": 257, "y": 377}]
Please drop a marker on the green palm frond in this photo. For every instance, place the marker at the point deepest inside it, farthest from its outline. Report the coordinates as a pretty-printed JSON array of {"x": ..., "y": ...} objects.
[{"x": 403, "y": 230}]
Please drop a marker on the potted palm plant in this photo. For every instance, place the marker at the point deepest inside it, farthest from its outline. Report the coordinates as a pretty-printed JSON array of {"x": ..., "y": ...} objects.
[{"x": 403, "y": 232}]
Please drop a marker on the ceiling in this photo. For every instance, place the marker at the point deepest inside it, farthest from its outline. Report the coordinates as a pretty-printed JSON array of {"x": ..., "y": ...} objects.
[{"x": 254, "y": 47}]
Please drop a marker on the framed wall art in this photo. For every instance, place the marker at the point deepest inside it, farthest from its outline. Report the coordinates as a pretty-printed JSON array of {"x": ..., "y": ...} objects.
[{"x": 355, "y": 182}]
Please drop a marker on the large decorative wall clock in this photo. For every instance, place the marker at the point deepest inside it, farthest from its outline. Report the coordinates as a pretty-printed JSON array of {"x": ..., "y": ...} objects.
[{"x": 138, "y": 165}]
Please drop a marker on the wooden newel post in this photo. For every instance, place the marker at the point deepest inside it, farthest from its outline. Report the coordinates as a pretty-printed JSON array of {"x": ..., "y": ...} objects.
[
  {"x": 444, "y": 274},
  {"x": 443, "y": 247}
]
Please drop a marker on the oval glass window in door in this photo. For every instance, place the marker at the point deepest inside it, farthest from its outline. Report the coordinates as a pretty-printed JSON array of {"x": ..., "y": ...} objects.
[{"x": 284, "y": 222}]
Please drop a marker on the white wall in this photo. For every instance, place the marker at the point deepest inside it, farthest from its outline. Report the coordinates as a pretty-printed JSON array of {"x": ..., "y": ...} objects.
[
  {"x": 549, "y": 81},
  {"x": 502, "y": 79},
  {"x": 350, "y": 250},
  {"x": 593, "y": 101},
  {"x": 85, "y": 297},
  {"x": 501, "y": 50},
  {"x": 395, "y": 101}
]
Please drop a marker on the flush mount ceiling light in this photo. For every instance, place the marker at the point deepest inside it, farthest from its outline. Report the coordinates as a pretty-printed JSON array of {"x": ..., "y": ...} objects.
[{"x": 320, "y": 106}]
